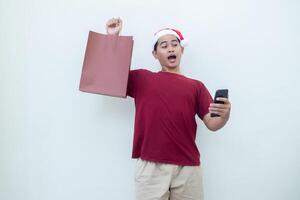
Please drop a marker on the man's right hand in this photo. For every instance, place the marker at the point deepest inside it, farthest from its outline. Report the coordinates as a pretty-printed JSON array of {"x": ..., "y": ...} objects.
[{"x": 114, "y": 26}]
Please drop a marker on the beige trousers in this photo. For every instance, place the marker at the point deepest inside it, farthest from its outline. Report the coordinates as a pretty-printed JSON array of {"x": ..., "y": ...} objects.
[{"x": 160, "y": 181}]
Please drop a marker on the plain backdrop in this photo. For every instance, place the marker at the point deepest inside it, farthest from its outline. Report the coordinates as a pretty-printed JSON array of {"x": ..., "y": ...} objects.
[{"x": 57, "y": 143}]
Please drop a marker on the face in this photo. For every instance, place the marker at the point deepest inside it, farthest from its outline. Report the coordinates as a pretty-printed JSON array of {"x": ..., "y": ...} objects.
[{"x": 168, "y": 51}]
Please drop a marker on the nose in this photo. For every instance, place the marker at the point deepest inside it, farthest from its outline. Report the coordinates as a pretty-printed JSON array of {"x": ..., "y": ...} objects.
[{"x": 170, "y": 49}]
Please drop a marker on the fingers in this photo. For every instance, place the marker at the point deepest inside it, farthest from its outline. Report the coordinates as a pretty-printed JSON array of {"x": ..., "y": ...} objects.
[
  {"x": 225, "y": 100},
  {"x": 114, "y": 22},
  {"x": 114, "y": 26},
  {"x": 221, "y": 109}
]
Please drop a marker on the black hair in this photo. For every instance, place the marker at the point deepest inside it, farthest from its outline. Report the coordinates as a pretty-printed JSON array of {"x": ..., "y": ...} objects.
[{"x": 155, "y": 46}]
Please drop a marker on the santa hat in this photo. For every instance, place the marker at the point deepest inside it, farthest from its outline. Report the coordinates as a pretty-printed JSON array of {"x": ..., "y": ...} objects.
[{"x": 170, "y": 31}]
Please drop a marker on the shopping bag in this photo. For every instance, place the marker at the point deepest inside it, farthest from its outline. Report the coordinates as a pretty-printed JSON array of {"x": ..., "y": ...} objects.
[{"x": 106, "y": 64}]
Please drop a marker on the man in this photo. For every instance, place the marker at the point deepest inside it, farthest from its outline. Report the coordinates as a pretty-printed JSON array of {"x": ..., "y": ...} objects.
[{"x": 166, "y": 102}]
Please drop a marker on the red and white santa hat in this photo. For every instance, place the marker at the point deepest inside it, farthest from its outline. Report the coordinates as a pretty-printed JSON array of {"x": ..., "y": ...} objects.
[{"x": 170, "y": 31}]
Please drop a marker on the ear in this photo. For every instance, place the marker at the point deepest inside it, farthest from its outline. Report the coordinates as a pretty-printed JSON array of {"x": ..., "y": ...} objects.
[
  {"x": 182, "y": 50},
  {"x": 154, "y": 53}
]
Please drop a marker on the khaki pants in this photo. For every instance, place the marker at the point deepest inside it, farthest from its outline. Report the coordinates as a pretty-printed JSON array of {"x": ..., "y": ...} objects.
[{"x": 160, "y": 181}]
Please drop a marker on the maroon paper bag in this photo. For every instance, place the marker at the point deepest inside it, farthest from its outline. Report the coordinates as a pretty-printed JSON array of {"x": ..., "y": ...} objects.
[{"x": 106, "y": 64}]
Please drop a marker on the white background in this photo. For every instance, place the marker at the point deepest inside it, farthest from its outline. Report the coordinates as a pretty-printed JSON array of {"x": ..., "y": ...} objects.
[{"x": 57, "y": 143}]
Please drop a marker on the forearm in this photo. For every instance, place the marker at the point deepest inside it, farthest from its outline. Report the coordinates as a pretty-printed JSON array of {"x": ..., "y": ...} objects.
[{"x": 215, "y": 123}]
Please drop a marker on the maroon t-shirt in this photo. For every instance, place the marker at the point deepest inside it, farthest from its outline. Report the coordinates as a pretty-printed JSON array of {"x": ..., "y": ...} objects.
[{"x": 165, "y": 107}]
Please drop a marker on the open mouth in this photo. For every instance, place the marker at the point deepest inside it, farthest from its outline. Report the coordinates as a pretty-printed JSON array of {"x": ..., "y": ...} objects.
[{"x": 172, "y": 58}]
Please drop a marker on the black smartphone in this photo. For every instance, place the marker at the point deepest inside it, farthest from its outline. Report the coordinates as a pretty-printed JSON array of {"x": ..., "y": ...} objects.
[{"x": 219, "y": 93}]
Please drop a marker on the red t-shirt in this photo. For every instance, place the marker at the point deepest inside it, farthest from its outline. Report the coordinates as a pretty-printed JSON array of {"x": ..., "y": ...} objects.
[{"x": 165, "y": 107}]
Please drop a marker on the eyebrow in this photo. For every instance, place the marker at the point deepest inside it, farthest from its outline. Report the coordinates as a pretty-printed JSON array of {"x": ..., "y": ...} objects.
[{"x": 166, "y": 41}]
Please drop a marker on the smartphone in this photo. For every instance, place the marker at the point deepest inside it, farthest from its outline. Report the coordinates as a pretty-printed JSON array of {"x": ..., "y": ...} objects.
[{"x": 219, "y": 93}]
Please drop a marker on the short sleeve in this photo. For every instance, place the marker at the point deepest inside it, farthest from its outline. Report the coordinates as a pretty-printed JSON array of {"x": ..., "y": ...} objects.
[
  {"x": 203, "y": 100},
  {"x": 132, "y": 81}
]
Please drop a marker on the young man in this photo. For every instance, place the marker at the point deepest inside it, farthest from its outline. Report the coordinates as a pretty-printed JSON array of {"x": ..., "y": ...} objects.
[{"x": 166, "y": 102}]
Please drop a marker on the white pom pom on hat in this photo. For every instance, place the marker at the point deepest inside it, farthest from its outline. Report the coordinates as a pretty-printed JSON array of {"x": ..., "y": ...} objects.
[{"x": 170, "y": 31}]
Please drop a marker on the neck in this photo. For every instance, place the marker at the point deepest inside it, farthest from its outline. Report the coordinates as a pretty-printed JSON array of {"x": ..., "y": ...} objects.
[{"x": 172, "y": 70}]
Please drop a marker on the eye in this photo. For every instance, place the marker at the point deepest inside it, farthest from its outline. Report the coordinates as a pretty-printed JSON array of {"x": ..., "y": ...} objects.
[{"x": 174, "y": 43}]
